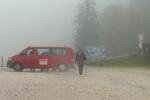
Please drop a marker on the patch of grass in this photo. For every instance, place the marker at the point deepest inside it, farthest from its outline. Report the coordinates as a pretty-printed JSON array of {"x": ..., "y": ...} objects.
[{"x": 130, "y": 61}]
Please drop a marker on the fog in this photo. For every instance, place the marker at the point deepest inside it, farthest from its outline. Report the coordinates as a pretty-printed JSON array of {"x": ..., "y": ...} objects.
[
  {"x": 38, "y": 23},
  {"x": 34, "y": 22}
]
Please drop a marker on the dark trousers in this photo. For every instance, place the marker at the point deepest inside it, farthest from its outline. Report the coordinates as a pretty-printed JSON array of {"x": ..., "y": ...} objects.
[{"x": 80, "y": 69}]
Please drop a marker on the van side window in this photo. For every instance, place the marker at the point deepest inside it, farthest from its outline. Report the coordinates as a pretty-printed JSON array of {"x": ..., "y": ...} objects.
[
  {"x": 58, "y": 51},
  {"x": 55, "y": 51},
  {"x": 63, "y": 52},
  {"x": 43, "y": 51},
  {"x": 29, "y": 51}
]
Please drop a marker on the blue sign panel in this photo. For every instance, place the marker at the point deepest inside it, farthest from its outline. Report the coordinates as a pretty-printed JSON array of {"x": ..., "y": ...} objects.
[{"x": 95, "y": 53}]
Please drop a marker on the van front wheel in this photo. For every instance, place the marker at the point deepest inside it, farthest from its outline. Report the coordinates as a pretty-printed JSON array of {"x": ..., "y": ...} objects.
[
  {"x": 17, "y": 67},
  {"x": 62, "y": 67}
]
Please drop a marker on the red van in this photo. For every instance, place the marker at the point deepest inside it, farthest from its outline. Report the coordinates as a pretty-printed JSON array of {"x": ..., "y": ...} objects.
[{"x": 61, "y": 58}]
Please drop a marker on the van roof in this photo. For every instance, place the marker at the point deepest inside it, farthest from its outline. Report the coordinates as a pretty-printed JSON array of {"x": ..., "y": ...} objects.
[{"x": 48, "y": 47}]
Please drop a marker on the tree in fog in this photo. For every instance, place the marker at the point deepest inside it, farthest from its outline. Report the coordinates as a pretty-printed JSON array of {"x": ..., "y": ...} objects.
[
  {"x": 114, "y": 30},
  {"x": 140, "y": 17},
  {"x": 120, "y": 26},
  {"x": 86, "y": 25}
]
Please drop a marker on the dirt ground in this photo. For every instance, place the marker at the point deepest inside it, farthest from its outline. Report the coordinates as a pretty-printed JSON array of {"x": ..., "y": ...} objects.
[{"x": 104, "y": 83}]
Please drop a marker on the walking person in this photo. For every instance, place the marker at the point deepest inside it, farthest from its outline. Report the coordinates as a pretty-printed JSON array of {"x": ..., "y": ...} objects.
[{"x": 80, "y": 59}]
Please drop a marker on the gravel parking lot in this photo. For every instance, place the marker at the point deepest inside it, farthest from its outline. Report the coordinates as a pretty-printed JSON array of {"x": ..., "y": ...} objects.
[{"x": 104, "y": 83}]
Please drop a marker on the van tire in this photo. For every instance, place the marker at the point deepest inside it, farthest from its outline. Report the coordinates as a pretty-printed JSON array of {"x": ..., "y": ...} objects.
[
  {"x": 62, "y": 68},
  {"x": 17, "y": 67}
]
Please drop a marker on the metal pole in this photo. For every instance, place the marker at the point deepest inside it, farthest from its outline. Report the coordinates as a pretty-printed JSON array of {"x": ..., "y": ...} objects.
[
  {"x": 2, "y": 62},
  {"x": 86, "y": 67}
]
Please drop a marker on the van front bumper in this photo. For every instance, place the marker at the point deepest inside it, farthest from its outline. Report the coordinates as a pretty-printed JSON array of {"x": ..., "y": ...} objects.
[{"x": 9, "y": 64}]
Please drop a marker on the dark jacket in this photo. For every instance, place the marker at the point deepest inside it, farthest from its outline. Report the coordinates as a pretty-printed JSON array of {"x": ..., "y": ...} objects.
[{"x": 80, "y": 57}]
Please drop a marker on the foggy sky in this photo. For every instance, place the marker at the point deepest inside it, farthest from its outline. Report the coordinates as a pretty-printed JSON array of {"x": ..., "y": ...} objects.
[{"x": 38, "y": 22}]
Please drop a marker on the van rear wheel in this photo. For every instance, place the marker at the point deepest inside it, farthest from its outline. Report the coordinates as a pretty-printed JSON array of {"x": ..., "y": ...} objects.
[
  {"x": 62, "y": 68},
  {"x": 17, "y": 67}
]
